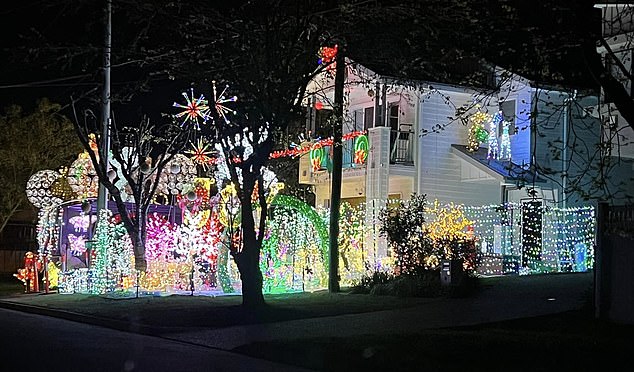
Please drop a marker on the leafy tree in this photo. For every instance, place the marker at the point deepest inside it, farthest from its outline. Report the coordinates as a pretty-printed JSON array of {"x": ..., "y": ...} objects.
[
  {"x": 30, "y": 142},
  {"x": 403, "y": 225}
]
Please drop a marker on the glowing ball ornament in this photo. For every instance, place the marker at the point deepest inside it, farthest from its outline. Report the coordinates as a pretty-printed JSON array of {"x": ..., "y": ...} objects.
[
  {"x": 38, "y": 189},
  {"x": 178, "y": 173}
]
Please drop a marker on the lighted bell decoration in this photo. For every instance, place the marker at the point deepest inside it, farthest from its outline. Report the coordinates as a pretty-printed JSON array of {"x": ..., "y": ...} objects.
[
  {"x": 61, "y": 189},
  {"x": 38, "y": 189}
]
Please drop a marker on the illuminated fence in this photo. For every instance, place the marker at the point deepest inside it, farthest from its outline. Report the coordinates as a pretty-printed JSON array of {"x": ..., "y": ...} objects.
[{"x": 530, "y": 238}]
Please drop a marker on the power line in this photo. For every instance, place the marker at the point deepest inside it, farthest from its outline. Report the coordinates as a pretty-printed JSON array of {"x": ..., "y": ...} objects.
[{"x": 43, "y": 82}]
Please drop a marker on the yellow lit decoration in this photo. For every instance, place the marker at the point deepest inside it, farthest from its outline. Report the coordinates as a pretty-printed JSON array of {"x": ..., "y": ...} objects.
[
  {"x": 477, "y": 132},
  {"x": 229, "y": 211},
  {"x": 60, "y": 188}
]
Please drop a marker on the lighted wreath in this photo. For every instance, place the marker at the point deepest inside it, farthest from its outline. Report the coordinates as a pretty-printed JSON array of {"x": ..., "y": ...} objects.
[{"x": 361, "y": 146}]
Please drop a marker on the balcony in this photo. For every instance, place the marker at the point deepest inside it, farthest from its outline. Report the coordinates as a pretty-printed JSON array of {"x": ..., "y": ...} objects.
[{"x": 402, "y": 146}]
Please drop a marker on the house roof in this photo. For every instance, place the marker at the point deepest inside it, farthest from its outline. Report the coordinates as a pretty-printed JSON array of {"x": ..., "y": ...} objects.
[{"x": 509, "y": 171}]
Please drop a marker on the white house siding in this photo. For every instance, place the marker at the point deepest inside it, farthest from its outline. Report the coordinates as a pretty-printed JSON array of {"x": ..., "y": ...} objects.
[
  {"x": 518, "y": 90},
  {"x": 583, "y": 135},
  {"x": 439, "y": 171}
]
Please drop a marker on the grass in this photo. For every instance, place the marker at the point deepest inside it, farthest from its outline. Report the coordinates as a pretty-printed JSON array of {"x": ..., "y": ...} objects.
[{"x": 214, "y": 312}]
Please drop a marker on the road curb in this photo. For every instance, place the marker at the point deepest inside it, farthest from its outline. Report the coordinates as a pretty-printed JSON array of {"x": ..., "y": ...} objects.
[{"x": 89, "y": 319}]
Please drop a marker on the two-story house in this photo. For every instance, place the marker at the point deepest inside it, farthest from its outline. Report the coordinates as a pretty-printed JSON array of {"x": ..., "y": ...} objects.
[{"x": 418, "y": 143}]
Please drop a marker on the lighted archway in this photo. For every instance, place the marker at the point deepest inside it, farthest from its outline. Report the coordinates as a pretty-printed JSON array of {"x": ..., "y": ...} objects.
[{"x": 274, "y": 264}]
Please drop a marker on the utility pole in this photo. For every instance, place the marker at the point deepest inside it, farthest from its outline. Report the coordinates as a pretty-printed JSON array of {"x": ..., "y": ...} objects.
[
  {"x": 102, "y": 199},
  {"x": 337, "y": 160}
]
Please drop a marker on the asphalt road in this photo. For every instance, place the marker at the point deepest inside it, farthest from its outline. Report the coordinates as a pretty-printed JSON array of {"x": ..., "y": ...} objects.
[{"x": 39, "y": 343}]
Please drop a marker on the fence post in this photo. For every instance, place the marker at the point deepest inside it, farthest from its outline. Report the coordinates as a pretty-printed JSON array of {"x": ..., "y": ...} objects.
[{"x": 601, "y": 260}]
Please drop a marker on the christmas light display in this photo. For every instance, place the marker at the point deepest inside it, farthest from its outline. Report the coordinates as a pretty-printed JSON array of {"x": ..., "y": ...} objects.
[
  {"x": 220, "y": 100},
  {"x": 327, "y": 57},
  {"x": 361, "y": 146},
  {"x": 307, "y": 146},
  {"x": 195, "y": 110},
  {"x": 201, "y": 153},
  {"x": 82, "y": 177},
  {"x": 505, "y": 142},
  {"x": 477, "y": 133},
  {"x": 178, "y": 173},
  {"x": 493, "y": 135},
  {"x": 317, "y": 156},
  {"x": 113, "y": 257},
  {"x": 60, "y": 188},
  {"x": 38, "y": 189}
]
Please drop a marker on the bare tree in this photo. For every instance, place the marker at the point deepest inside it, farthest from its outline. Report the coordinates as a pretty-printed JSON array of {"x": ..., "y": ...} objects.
[{"x": 141, "y": 153}]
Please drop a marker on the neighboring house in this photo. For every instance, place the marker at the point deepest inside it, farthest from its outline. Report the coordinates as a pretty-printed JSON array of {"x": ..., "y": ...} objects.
[
  {"x": 418, "y": 135},
  {"x": 618, "y": 33}
]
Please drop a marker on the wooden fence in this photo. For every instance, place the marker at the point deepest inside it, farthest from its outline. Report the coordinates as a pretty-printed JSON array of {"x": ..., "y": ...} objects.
[{"x": 614, "y": 274}]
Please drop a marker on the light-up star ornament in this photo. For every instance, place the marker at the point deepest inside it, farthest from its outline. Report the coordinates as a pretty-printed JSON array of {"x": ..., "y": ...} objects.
[
  {"x": 195, "y": 111},
  {"x": 221, "y": 99},
  {"x": 201, "y": 153}
]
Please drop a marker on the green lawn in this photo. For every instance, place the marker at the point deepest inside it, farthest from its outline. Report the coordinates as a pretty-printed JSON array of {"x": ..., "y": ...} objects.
[
  {"x": 10, "y": 286},
  {"x": 215, "y": 312}
]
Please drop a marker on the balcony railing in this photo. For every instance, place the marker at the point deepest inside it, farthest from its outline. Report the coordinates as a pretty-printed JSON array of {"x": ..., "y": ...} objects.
[
  {"x": 401, "y": 151},
  {"x": 402, "y": 147}
]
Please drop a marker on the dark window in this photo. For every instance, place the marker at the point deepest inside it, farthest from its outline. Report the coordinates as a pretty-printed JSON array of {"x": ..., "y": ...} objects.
[
  {"x": 359, "y": 123},
  {"x": 508, "y": 112},
  {"x": 393, "y": 117},
  {"x": 368, "y": 118}
]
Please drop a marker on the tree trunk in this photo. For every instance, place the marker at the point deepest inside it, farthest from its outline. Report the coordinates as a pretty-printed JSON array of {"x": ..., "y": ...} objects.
[
  {"x": 248, "y": 260},
  {"x": 139, "y": 239}
]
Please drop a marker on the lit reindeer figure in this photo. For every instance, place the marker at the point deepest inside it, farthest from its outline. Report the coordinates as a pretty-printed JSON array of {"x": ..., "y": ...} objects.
[{"x": 493, "y": 136}]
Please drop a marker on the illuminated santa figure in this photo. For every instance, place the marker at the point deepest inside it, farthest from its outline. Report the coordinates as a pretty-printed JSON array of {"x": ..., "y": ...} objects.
[{"x": 28, "y": 274}]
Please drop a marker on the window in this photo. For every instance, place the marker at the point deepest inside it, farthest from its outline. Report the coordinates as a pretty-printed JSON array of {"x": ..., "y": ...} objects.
[
  {"x": 508, "y": 112},
  {"x": 359, "y": 123},
  {"x": 393, "y": 117},
  {"x": 368, "y": 118}
]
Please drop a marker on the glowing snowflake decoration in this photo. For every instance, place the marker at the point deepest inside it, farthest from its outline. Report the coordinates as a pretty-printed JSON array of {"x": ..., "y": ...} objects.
[
  {"x": 221, "y": 99},
  {"x": 201, "y": 153},
  {"x": 195, "y": 111}
]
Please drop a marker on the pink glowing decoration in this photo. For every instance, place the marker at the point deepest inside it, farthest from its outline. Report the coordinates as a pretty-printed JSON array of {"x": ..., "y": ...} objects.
[
  {"x": 81, "y": 223},
  {"x": 161, "y": 238},
  {"x": 77, "y": 244}
]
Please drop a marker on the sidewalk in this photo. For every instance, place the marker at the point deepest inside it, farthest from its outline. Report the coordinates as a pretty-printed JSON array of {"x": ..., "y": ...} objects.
[{"x": 509, "y": 298}]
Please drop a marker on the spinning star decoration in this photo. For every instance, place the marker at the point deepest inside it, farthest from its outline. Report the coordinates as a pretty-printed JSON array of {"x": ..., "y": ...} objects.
[{"x": 194, "y": 111}]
